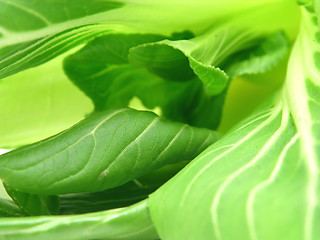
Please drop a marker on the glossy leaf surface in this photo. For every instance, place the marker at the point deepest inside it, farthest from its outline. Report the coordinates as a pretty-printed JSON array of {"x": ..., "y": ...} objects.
[
  {"x": 103, "y": 151},
  {"x": 220, "y": 47}
]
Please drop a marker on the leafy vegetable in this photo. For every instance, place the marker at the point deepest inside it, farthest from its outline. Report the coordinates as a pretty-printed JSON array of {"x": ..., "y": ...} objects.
[
  {"x": 34, "y": 204},
  {"x": 265, "y": 170},
  {"x": 131, "y": 223},
  {"x": 122, "y": 173},
  {"x": 44, "y": 29},
  {"x": 124, "y": 195},
  {"x": 103, "y": 151}
]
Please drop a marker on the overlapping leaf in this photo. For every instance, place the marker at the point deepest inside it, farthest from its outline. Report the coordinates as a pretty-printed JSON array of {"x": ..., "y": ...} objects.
[
  {"x": 122, "y": 196},
  {"x": 131, "y": 223},
  {"x": 102, "y": 71},
  {"x": 40, "y": 30},
  {"x": 35, "y": 205},
  {"x": 243, "y": 187},
  {"x": 260, "y": 181},
  {"x": 103, "y": 151}
]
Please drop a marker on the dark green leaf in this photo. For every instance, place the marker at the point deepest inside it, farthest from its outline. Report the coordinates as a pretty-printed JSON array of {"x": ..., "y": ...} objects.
[
  {"x": 122, "y": 196},
  {"x": 103, "y": 151},
  {"x": 93, "y": 69},
  {"x": 35, "y": 205},
  {"x": 40, "y": 30},
  {"x": 9, "y": 209}
]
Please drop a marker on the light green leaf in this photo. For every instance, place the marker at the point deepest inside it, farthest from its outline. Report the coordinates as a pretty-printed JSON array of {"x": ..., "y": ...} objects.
[
  {"x": 131, "y": 223},
  {"x": 34, "y": 205},
  {"x": 39, "y": 103},
  {"x": 41, "y": 30},
  {"x": 21, "y": 50},
  {"x": 103, "y": 151},
  {"x": 261, "y": 181},
  {"x": 173, "y": 60}
]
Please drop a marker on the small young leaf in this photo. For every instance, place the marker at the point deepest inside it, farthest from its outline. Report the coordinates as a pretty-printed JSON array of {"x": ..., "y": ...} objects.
[
  {"x": 50, "y": 105},
  {"x": 43, "y": 29},
  {"x": 259, "y": 58},
  {"x": 102, "y": 72},
  {"x": 228, "y": 47}
]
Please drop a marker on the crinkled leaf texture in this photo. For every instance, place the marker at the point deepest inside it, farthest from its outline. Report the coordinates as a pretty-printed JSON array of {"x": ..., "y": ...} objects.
[
  {"x": 261, "y": 181},
  {"x": 234, "y": 48},
  {"x": 185, "y": 86},
  {"x": 232, "y": 44},
  {"x": 111, "y": 148},
  {"x": 102, "y": 71},
  {"x": 103, "y": 151}
]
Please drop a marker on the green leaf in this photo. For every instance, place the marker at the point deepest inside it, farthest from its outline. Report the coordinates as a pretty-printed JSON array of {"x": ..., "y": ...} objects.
[
  {"x": 35, "y": 205},
  {"x": 93, "y": 69},
  {"x": 101, "y": 71},
  {"x": 42, "y": 29},
  {"x": 35, "y": 105},
  {"x": 234, "y": 45},
  {"x": 260, "y": 58},
  {"x": 46, "y": 30},
  {"x": 39, "y": 14},
  {"x": 103, "y": 151},
  {"x": 131, "y": 223},
  {"x": 9, "y": 209},
  {"x": 122, "y": 196},
  {"x": 173, "y": 60},
  {"x": 261, "y": 181}
]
